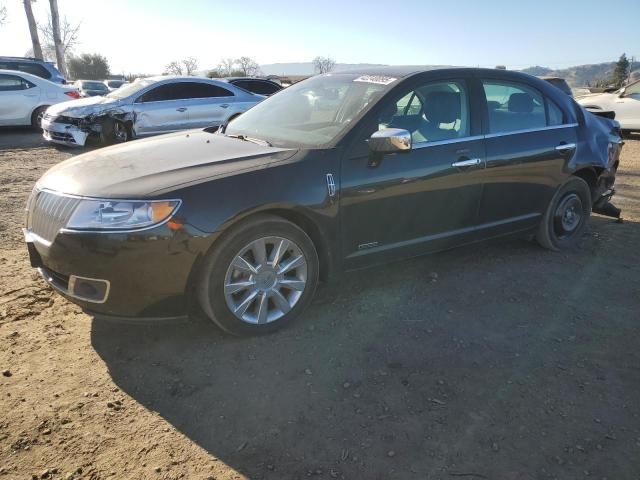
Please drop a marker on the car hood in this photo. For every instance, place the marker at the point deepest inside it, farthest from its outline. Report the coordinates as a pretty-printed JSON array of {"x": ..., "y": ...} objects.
[
  {"x": 158, "y": 165},
  {"x": 83, "y": 107},
  {"x": 596, "y": 98}
]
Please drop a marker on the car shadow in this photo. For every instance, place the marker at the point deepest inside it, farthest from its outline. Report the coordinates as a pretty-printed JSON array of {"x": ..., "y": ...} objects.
[{"x": 447, "y": 363}]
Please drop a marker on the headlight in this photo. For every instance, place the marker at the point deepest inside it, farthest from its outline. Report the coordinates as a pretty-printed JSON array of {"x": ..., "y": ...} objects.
[{"x": 121, "y": 215}]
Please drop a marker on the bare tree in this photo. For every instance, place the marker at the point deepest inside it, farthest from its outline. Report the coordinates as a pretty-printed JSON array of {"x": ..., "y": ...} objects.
[
  {"x": 57, "y": 39},
  {"x": 33, "y": 29},
  {"x": 226, "y": 66},
  {"x": 68, "y": 34},
  {"x": 323, "y": 64},
  {"x": 173, "y": 68},
  {"x": 190, "y": 65},
  {"x": 248, "y": 66}
]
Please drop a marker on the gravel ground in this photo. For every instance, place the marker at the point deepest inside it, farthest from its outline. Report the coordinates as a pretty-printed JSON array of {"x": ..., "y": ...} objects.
[{"x": 497, "y": 361}]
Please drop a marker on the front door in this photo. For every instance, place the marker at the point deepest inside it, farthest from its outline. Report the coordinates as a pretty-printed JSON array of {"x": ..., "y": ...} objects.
[
  {"x": 160, "y": 110},
  {"x": 418, "y": 201},
  {"x": 627, "y": 107}
]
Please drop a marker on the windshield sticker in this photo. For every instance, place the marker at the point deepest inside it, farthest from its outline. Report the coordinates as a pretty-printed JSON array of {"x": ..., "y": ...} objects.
[{"x": 379, "y": 79}]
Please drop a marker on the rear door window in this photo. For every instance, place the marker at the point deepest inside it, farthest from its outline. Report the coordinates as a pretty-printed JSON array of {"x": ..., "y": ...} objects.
[
  {"x": 10, "y": 83},
  {"x": 34, "y": 69},
  {"x": 513, "y": 106},
  {"x": 263, "y": 88}
]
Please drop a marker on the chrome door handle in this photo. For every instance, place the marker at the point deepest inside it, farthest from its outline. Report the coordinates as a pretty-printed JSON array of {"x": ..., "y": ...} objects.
[
  {"x": 472, "y": 162},
  {"x": 181, "y": 109},
  {"x": 224, "y": 105},
  {"x": 565, "y": 147}
]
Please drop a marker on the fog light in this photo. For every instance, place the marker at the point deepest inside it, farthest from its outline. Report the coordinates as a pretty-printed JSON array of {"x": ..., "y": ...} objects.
[{"x": 89, "y": 289}]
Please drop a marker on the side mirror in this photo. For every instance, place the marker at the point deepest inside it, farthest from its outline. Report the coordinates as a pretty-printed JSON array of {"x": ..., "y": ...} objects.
[{"x": 390, "y": 140}]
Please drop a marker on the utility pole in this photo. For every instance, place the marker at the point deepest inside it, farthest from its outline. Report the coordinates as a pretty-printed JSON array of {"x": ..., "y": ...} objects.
[
  {"x": 57, "y": 40},
  {"x": 633, "y": 59},
  {"x": 33, "y": 30}
]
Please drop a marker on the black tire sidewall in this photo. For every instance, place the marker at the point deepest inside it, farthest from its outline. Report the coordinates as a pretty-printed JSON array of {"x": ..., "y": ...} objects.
[
  {"x": 36, "y": 113},
  {"x": 211, "y": 284},
  {"x": 574, "y": 186}
]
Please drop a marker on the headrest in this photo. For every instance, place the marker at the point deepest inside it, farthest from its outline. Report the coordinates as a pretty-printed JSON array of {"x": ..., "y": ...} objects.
[
  {"x": 520, "y": 103},
  {"x": 442, "y": 107}
]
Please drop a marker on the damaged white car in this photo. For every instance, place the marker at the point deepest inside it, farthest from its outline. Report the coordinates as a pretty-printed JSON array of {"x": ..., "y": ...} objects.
[{"x": 148, "y": 106}]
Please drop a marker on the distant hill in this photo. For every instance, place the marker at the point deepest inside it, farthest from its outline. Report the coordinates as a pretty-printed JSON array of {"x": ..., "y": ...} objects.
[
  {"x": 581, "y": 75},
  {"x": 306, "y": 68}
]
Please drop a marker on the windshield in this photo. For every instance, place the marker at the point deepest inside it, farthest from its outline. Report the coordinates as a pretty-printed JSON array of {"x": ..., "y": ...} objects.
[
  {"x": 312, "y": 113},
  {"x": 115, "y": 83},
  {"x": 94, "y": 86},
  {"x": 132, "y": 88}
]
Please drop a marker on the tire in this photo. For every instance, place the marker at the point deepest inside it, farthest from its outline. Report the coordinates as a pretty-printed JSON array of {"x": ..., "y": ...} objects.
[
  {"x": 36, "y": 117},
  {"x": 566, "y": 216},
  {"x": 258, "y": 296},
  {"x": 114, "y": 131}
]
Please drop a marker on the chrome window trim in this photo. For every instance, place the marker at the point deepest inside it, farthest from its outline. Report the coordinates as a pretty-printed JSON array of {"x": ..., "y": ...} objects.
[
  {"x": 113, "y": 230},
  {"x": 530, "y": 130},
  {"x": 417, "y": 146}
]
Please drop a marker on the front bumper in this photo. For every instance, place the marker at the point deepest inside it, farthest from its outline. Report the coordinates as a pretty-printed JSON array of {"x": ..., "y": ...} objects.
[
  {"x": 63, "y": 133},
  {"x": 140, "y": 274}
]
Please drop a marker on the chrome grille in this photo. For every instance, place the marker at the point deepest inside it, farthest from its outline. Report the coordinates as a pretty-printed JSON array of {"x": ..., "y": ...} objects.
[{"x": 48, "y": 213}]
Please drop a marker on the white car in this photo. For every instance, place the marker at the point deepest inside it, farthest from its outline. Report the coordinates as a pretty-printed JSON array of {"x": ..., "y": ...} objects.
[
  {"x": 148, "y": 106},
  {"x": 625, "y": 102},
  {"x": 25, "y": 97}
]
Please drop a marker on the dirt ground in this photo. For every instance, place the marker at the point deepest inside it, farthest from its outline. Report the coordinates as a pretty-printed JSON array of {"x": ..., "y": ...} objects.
[{"x": 496, "y": 361}]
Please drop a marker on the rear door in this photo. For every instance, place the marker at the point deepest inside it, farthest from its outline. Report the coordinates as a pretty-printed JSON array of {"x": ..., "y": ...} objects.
[
  {"x": 161, "y": 109},
  {"x": 529, "y": 139},
  {"x": 209, "y": 104},
  {"x": 18, "y": 99},
  {"x": 627, "y": 107},
  {"x": 422, "y": 200}
]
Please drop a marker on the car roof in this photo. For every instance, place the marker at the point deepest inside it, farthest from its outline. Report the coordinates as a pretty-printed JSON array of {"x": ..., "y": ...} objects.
[
  {"x": 229, "y": 79},
  {"x": 24, "y": 59},
  {"x": 26, "y": 75}
]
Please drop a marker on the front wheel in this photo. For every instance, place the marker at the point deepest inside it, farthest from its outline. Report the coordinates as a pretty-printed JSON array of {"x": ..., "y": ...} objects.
[
  {"x": 566, "y": 217},
  {"x": 260, "y": 277}
]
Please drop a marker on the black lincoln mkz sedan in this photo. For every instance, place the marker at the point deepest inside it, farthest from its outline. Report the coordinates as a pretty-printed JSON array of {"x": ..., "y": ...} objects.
[{"x": 334, "y": 173}]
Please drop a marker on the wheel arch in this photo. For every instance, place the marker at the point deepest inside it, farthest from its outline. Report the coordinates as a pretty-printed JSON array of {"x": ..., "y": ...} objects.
[
  {"x": 590, "y": 175},
  {"x": 297, "y": 216}
]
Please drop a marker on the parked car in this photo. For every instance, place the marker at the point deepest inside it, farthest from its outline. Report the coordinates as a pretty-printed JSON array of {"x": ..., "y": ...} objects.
[
  {"x": 148, "y": 106},
  {"x": 625, "y": 102},
  {"x": 558, "y": 82},
  {"x": 114, "y": 84},
  {"x": 25, "y": 97},
  {"x": 259, "y": 86},
  {"x": 34, "y": 66},
  {"x": 244, "y": 221},
  {"x": 91, "y": 88}
]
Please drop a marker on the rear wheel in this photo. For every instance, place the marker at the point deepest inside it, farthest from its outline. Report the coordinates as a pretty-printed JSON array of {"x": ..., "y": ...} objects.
[
  {"x": 566, "y": 217},
  {"x": 36, "y": 117},
  {"x": 260, "y": 277}
]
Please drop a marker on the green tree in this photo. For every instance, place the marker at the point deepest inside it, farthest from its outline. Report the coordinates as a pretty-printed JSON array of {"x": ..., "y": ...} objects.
[
  {"x": 620, "y": 71},
  {"x": 88, "y": 66}
]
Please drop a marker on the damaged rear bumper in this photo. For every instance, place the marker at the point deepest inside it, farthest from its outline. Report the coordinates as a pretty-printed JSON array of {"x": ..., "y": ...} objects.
[{"x": 64, "y": 133}]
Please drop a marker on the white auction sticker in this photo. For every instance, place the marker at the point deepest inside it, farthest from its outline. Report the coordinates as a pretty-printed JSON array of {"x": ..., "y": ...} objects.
[{"x": 379, "y": 79}]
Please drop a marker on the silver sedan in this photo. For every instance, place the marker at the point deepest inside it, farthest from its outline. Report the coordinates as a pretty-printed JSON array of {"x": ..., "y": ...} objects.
[{"x": 148, "y": 106}]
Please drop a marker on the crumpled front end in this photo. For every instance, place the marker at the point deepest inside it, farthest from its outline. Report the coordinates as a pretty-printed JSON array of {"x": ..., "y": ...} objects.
[{"x": 73, "y": 126}]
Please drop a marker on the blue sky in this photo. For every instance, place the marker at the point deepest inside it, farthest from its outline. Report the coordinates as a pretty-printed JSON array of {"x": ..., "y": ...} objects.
[{"x": 144, "y": 35}]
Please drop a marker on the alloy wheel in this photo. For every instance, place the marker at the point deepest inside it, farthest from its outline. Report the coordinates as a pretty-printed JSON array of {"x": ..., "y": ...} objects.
[{"x": 265, "y": 280}]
